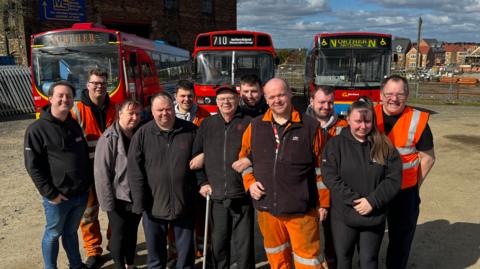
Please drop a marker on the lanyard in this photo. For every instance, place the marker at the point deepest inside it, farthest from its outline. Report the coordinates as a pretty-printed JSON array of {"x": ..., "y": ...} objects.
[{"x": 277, "y": 137}]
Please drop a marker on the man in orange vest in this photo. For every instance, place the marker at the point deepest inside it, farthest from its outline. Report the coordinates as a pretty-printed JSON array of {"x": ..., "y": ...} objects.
[
  {"x": 321, "y": 109},
  {"x": 94, "y": 113},
  {"x": 287, "y": 190},
  {"x": 409, "y": 132}
]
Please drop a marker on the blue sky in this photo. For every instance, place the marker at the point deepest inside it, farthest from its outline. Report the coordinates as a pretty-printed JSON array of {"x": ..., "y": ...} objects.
[{"x": 293, "y": 23}]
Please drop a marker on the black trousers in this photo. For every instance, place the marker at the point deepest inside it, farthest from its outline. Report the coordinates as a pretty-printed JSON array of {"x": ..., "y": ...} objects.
[
  {"x": 123, "y": 240},
  {"x": 232, "y": 220},
  {"x": 366, "y": 239},
  {"x": 402, "y": 221},
  {"x": 156, "y": 238},
  {"x": 329, "y": 250}
]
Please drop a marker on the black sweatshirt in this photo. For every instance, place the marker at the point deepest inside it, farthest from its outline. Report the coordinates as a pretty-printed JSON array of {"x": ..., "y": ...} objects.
[
  {"x": 350, "y": 174},
  {"x": 56, "y": 156}
]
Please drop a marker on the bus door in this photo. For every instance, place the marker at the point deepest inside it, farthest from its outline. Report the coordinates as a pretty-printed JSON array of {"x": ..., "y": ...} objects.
[
  {"x": 132, "y": 73},
  {"x": 149, "y": 80}
]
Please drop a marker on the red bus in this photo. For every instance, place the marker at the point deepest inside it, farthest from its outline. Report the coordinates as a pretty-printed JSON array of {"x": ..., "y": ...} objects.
[
  {"x": 222, "y": 57},
  {"x": 353, "y": 63},
  {"x": 137, "y": 67}
]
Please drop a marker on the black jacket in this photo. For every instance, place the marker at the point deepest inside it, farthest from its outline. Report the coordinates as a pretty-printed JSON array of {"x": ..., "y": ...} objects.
[
  {"x": 350, "y": 174},
  {"x": 56, "y": 156},
  {"x": 221, "y": 142},
  {"x": 255, "y": 111},
  {"x": 158, "y": 170}
]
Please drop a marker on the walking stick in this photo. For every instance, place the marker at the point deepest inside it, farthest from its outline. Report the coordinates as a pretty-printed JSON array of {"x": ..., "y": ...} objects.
[{"x": 205, "y": 232}]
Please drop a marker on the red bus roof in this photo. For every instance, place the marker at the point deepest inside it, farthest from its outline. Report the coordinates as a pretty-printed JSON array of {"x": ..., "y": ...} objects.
[
  {"x": 353, "y": 33},
  {"x": 124, "y": 38},
  {"x": 269, "y": 47}
]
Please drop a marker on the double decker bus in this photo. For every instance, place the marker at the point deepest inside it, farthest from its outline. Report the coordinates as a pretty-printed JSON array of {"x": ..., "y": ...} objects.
[
  {"x": 137, "y": 67},
  {"x": 223, "y": 57},
  {"x": 353, "y": 63}
]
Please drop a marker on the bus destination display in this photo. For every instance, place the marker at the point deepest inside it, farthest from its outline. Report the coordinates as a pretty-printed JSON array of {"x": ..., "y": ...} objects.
[
  {"x": 233, "y": 40},
  {"x": 74, "y": 38}
]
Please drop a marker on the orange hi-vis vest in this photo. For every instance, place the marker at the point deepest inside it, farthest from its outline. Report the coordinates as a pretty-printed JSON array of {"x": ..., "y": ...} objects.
[
  {"x": 84, "y": 116},
  {"x": 333, "y": 130},
  {"x": 404, "y": 136}
]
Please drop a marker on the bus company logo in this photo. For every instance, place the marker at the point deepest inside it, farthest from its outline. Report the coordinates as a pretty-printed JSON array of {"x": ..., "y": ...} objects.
[
  {"x": 350, "y": 94},
  {"x": 353, "y": 43}
]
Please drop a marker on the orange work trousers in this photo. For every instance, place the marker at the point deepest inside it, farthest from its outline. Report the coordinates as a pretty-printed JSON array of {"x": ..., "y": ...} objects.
[
  {"x": 90, "y": 226},
  {"x": 287, "y": 236}
]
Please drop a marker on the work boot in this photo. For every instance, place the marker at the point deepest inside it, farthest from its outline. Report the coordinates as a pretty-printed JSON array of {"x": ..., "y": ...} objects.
[{"x": 93, "y": 262}]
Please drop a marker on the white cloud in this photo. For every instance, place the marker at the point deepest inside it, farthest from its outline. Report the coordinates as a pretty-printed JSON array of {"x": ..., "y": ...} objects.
[{"x": 293, "y": 23}]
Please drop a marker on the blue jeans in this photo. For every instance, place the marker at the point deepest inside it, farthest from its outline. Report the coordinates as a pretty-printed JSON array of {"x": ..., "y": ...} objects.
[
  {"x": 63, "y": 220},
  {"x": 156, "y": 230}
]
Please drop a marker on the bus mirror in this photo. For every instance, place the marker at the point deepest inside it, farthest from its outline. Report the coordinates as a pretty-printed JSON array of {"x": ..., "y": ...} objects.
[
  {"x": 277, "y": 60},
  {"x": 395, "y": 58}
]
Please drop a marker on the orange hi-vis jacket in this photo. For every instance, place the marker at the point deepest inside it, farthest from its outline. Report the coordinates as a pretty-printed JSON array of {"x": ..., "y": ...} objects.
[
  {"x": 201, "y": 114},
  {"x": 84, "y": 116},
  {"x": 333, "y": 130},
  {"x": 404, "y": 135},
  {"x": 288, "y": 165}
]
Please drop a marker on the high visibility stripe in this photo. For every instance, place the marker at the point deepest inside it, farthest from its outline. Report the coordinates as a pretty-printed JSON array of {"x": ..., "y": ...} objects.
[
  {"x": 318, "y": 171},
  {"x": 411, "y": 164},
  {"x": 77, "y": 114},
  {"x": 407, "y": 150},
  {"x": 247, "y": 171},
  {"x": 338, "y": 130},
  {"x": 92, "y": 143},
  {"x": 413, "y": 127},
  {"x": 321, "y": 186},
  {"x": 90, "y": 210},
  {"x": 91, "y": 155},
  {"x": 311, "y": 262},
  {"x": 277, "y": 249}
]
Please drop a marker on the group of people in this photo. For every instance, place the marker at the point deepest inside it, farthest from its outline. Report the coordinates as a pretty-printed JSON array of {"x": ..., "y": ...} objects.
[{"x": 257, "y": 154}]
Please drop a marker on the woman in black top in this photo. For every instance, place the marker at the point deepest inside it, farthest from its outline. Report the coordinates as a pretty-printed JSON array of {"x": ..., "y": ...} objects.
[{"x": 363, "y": 172}]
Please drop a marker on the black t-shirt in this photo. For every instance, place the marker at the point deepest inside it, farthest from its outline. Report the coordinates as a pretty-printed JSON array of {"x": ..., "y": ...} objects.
[
  {"x": 426, "y": 139},
  {"x": 126, "y": 141}
]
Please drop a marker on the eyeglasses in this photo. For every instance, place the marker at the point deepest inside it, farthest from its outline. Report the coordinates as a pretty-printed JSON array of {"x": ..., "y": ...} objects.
[
  {"x": 224, "y": 99},
  {"x": 98, "y": 84},
  {"x": 400, "y": 96}
]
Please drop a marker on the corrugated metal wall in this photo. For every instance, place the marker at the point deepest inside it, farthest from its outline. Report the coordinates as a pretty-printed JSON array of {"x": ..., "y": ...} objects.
[{"x": 15, "y": 91}]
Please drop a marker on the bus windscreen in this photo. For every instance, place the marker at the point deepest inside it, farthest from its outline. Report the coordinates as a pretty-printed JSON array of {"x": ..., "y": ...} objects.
[{"x": 73, "y": 64}]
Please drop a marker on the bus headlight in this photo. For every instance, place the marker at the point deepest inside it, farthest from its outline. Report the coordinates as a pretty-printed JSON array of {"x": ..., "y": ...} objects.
[{"x": 207, "y": 100}]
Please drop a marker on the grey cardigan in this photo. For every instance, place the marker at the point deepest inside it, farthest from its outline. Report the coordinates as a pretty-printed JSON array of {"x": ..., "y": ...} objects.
[{"x": 110, "y": 169}]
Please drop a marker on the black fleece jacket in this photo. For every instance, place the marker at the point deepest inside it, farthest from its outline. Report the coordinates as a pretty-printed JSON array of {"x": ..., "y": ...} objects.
[
  {"x": 221, "y": 142},
  {"x": 160, "y": 179},
  {"x": 350, "y": 174},
  {"x": 56, "y": 156}
]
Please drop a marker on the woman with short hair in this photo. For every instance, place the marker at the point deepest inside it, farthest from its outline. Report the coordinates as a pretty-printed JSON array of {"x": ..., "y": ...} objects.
[{"x": 113, "y": 190}]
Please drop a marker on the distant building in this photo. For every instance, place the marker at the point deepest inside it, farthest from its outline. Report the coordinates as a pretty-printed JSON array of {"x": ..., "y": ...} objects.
[
  {"x": 177, "y": 22},
  {"x": 400, "y": 47},
  {"x": 456, "y": 53}
]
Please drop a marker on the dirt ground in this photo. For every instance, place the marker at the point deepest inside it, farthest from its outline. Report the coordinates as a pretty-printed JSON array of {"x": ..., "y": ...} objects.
[{"x": 448, "y": 231}]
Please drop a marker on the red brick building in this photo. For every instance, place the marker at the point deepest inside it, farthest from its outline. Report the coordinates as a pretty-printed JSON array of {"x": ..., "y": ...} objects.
[{"x": 176, "y": 21}]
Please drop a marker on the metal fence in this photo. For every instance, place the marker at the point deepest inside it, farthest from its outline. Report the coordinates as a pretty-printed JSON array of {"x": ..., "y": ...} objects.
[
  {"x": 15, "y": 91},
  {"x": 294, "y": 75}
]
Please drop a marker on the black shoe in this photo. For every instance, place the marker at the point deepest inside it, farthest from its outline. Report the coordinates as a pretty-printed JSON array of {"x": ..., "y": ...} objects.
[
  {"x": 83, "y": 266},
  {"x": 93, "y": 262}
]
